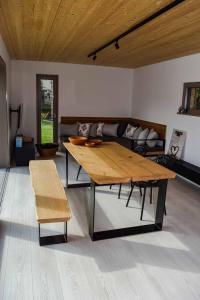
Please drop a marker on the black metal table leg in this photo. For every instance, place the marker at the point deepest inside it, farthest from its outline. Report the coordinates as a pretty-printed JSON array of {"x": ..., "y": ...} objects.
[
  {"x": 92, "y": 209},
  {"x": 106, "y": 234},
  {"x": 143, "y": 201},
  {"x": 53, "y": 239},
  {"x": 67, "y": 172},
  {"x": 160, "y": 210}
]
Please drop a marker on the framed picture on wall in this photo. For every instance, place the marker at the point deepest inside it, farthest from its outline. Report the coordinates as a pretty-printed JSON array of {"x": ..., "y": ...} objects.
[
  {"x": 191, "y": 98},
  {"x": 177, "y": 143}
]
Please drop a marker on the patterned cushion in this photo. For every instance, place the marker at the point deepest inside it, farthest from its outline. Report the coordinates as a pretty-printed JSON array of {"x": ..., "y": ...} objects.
[
  {"x": 100, "y": 129},
  {"x": 129, "y": 131},
  {"x": 151, "y": 136},
  {"x": 84, "y": 129},
  {"x": 110, "y": 129},
  {"x": 143, "y": 136}
]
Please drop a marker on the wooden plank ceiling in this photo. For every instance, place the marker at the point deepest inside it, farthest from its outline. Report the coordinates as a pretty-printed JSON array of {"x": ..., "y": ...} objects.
[{"x": 68, "y": 30}]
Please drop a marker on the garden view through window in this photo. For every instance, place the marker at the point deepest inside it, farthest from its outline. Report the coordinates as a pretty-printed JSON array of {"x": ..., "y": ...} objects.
[
  {"x": 46, "y": 111},
  {"x": 47, "y": 108}
]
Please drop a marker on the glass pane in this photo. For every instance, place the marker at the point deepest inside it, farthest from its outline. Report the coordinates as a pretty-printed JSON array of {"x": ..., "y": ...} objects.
[{"x": 47, "y": 111}]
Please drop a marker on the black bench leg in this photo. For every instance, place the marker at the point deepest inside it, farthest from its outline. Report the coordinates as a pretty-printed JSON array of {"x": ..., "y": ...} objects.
[{"x": 53, "y": 239}]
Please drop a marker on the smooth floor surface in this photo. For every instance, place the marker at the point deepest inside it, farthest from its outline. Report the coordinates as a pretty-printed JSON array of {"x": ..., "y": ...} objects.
[{"x": 159, "y": 265}]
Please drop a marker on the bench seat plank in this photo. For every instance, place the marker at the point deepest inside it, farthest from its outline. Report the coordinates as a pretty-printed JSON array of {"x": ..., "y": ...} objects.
[{"x": 50, "y": 198}]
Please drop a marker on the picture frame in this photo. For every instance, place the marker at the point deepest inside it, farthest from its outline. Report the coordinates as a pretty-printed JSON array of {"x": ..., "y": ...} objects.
[
  {"x": 191, "y": 99},
  {"x": 177, "y": 143}
]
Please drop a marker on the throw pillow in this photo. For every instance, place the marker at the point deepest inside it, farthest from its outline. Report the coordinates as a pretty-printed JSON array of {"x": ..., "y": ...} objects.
[
  {"x": 136, "y": 133},
  {"x": 129, "y": 131},
  {"x": 93, "y": 130},
  {"x": 100, "y": 129},
  {"x": 84, "y": 129},
  {"x": 143, "y": 136},
  {"x": 68, "y": 129},
  {"x": 110, "y": 129},
  {"x": 151, "y": 136}
]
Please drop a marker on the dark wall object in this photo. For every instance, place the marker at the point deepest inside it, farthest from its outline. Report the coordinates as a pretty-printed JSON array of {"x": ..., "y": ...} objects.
[
  {"x": 24, "y": 154},
  {"x": 18, "y": 111}
]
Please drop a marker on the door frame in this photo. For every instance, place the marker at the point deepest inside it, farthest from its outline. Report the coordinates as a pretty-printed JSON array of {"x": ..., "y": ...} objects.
[{"x": 55, "y": 105}]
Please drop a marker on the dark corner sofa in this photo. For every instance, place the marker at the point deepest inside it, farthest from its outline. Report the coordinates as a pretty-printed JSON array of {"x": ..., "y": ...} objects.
[{"x": 123, "y": 122}]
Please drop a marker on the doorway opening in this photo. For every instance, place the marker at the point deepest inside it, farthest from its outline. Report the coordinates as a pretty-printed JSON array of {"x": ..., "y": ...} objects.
[{"x": 47, "y": 108}]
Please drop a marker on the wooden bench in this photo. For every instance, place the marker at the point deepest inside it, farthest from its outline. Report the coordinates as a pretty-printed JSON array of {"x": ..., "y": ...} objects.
[{"x": 50, "y": 198}]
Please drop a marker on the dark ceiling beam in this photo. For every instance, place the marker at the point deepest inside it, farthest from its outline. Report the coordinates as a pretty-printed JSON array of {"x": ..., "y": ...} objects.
[{"x": 137, "y": 26}]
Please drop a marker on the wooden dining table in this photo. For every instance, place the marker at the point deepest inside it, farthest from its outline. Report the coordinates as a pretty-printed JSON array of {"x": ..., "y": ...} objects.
[{"x": 111, "y": 163}]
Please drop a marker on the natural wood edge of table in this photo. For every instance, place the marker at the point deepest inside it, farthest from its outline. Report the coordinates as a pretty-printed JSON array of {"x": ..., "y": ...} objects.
[
  {"x": 131, "y": 166},
  {"x": 110, "y": 180}
]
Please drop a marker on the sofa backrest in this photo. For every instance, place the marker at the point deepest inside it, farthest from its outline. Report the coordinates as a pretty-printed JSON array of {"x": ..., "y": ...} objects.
[
  {"x": 110, "y": 120},
  {"x": 160, "y": 128}
]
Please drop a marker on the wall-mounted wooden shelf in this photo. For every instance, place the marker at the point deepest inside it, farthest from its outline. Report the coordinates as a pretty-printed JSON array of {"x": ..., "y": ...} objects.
[{"x": 188, "y": 114}]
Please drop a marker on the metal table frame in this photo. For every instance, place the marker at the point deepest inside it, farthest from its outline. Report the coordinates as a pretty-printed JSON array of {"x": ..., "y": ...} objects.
[{"x": 107, "y": 234}]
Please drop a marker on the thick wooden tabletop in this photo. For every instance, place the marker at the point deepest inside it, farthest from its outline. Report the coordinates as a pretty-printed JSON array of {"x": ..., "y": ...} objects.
[
  {"x": 51, "y": 202},
  {"x": 112, "y": 163}
]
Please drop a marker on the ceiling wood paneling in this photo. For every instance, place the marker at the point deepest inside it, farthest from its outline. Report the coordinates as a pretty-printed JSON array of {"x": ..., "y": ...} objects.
[{"x": 68, "y": 30}]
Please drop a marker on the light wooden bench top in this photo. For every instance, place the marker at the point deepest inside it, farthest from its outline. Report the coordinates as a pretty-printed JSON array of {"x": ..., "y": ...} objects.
[
  {"x": 112, "y": 163},
  {"x": 51, "y": 201}
]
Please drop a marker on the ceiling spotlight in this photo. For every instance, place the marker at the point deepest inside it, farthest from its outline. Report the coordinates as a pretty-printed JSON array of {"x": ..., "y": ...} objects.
[
  {"x": 94, "y": 56},
  {"x": 116, "y": 45}
]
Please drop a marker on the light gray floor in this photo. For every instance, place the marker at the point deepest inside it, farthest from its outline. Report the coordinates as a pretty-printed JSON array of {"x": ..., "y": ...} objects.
[
  {"x": 2, "y": 175},
  {"x": 160, "y": 265}
]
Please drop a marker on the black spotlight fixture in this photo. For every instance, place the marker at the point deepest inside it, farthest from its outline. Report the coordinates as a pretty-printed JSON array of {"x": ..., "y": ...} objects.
[
  {"x": 134, "y": 27},
  {"x": 116, "y": 44}
]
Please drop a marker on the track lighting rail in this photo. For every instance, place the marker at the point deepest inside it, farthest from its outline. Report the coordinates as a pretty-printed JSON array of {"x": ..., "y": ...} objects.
[{"x": 116, "y": 40}]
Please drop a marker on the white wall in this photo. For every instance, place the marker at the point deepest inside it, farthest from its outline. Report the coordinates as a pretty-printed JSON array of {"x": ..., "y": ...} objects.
[
  {"x": 83, "y": 90},
  {"x": 4, "y": 125},
  {"x": 157, "y": 94},
  {"x": 5, "y": 56}
]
